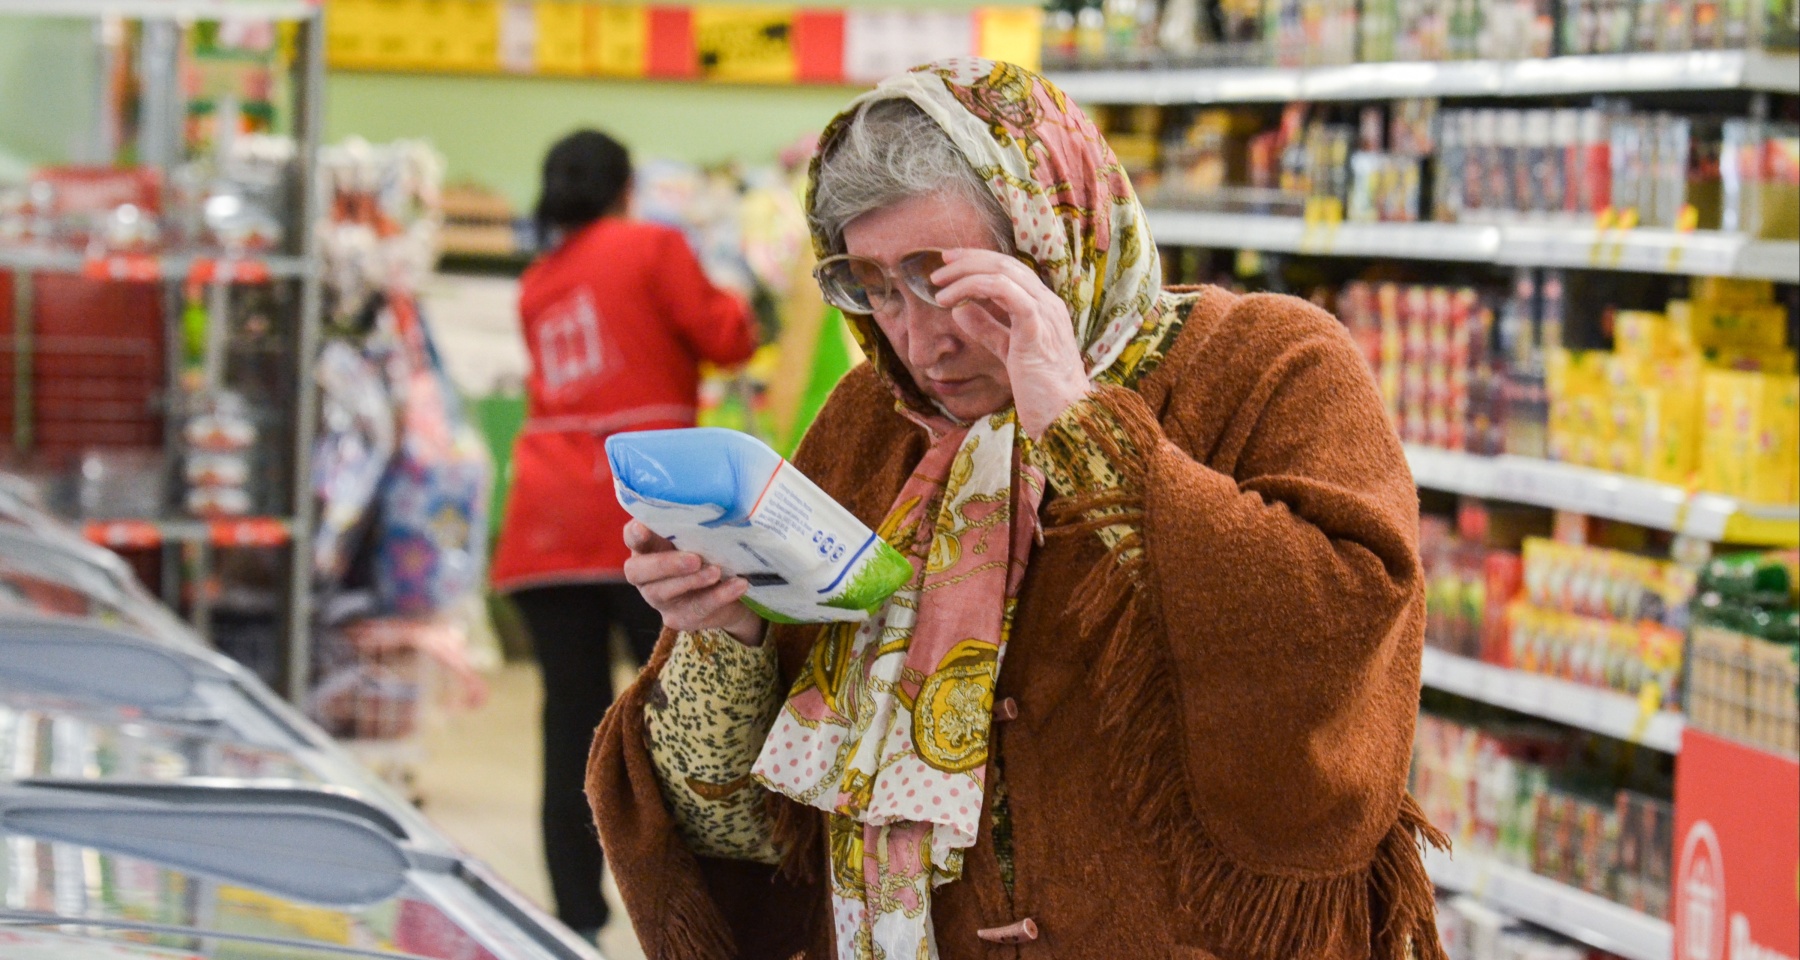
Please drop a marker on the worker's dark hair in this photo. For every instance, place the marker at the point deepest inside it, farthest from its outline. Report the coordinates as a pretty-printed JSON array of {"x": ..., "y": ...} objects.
[{"x": 585, "y": 174}]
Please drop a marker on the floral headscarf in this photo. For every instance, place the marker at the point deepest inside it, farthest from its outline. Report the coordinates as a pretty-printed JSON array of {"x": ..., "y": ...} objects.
[{"x": 887, "y": 727}]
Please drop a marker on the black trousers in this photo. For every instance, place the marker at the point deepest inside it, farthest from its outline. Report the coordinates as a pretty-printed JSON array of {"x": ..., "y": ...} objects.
[{"x": 570, "y": 626}]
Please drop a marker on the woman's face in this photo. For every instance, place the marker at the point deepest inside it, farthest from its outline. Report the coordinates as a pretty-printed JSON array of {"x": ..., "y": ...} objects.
[{"x": 966, "y": 380}]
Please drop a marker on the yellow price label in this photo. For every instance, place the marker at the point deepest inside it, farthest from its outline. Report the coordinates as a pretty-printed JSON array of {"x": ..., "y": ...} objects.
[
  {"x": 750, "y": 44},
  {"x": 619, "y": 41},
  {"x": 1011, "y": 34},
  {"x": 561, "y": 37}
]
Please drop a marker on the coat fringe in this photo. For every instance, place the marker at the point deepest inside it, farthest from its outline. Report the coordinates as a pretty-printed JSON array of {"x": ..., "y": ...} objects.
[
  {"x": 1239, "y": 911},
  {"x": 692, "y": 927}
]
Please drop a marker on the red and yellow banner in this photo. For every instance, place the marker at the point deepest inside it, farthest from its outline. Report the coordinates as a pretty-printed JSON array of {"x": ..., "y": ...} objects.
[{"x": 727, "y": 44}]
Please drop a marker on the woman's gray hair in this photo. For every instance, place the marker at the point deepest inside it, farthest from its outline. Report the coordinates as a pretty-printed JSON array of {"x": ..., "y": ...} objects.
[{"x": 892, "y": 151}]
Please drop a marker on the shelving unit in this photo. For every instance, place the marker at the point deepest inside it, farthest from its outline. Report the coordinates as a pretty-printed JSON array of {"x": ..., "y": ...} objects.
[
  {"x": 1577, "y": 705},
  {"x": 1582, "y": 916},
  {"x": 296, "y": 263},
  {"x": 1700, "y": 70},
  {"x": 1696, "y": 253},
  {"x": 204, "y": 267},
  {"x": 1560, "y": 486}
]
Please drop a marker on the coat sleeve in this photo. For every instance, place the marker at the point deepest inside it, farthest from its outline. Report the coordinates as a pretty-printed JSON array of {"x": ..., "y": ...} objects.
[
  {"x": 1264, "y": 603},
  {"x": 716, "y": 325},
  {"x": 683, "y": 906}
]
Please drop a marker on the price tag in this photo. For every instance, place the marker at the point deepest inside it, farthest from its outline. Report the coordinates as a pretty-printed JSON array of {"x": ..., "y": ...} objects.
[
  {"x": 133, "y": 268},
  {"x": 207, "y": 270},
  {"x": 619, "y": 44},
  {"x": 123, "y": 534},
  {"x": 253, "y": 532}
]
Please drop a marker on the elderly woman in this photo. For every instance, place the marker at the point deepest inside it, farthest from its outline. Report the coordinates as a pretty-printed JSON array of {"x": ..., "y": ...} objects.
[{"x": 1151, "y": 690}]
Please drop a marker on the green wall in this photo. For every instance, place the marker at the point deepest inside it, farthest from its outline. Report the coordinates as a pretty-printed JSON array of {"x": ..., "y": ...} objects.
[
  {"x": 47, "y": 92},
  {"x": 494, "y": 130}
]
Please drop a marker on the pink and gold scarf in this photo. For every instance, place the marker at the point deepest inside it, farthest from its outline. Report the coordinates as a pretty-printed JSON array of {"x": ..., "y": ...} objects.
[{"x": 886, "y": 728}]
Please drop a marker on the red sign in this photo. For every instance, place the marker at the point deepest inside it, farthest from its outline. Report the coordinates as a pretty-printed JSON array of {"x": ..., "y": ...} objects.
[{"x": 1737, "y": 846}]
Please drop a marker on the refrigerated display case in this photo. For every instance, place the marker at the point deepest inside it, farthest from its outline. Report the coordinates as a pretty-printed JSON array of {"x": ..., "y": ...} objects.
[{"x": 88, "y": 870}]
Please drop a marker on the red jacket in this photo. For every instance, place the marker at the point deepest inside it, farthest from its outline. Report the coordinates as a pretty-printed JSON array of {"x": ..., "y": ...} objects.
[{"x": 617, "y": 320}]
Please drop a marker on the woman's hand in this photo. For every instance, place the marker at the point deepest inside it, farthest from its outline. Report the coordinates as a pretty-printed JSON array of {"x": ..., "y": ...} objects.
[
  {"x": 1002, "y": 305},
  {"x": 690, "y": 593}
]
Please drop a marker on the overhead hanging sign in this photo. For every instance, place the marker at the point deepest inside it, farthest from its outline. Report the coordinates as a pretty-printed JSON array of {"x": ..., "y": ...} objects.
[
  {"x": 746, "y": 44},
  {"x": 762, "y": 44}
]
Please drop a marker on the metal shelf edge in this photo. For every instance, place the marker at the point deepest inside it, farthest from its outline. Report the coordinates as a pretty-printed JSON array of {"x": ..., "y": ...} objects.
[
  {"x": 1703, "y": 253},
  {"x": 164, "y": 9},
  {"x": 1774, "y": 72},
  {"x": 1583, "y": 916},
  {"x": 1595, "y": 709},
  {"x": 175, "y": 266},
  {"x": 1560, "y": 486}
]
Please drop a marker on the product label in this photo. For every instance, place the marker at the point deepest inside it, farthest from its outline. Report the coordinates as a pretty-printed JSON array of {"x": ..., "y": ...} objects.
[{"x": 806, "y": 557}]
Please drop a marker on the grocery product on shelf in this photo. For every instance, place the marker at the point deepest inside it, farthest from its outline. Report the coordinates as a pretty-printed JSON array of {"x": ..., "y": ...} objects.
[
  {"x": 1568, "y": 806},
  {"x": 1296, "y": 33},
  {"x": 1745, "y": 680},
  {"x": 1472, "y": 931}
]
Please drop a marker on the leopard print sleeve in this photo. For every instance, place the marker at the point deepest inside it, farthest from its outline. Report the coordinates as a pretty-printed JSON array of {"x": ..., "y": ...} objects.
[{"x": 708, "y": 714}]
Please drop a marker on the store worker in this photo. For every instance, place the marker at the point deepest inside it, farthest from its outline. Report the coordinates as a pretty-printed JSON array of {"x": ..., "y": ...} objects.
[
  {"x": 1151, "y": 691},
  {"x": 617, "y": 316}
]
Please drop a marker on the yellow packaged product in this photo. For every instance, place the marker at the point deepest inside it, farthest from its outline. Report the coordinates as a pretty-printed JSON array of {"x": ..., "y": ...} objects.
[
  {"x": 1641, "y": 333},
  {"x": 1670, "y": 388},
  {"x": 1712, "y": 325},
  {"x": 1732, "y": 291},
  {"x": 1751, "y": 445},
  {"x": 1778, "y": 360}
]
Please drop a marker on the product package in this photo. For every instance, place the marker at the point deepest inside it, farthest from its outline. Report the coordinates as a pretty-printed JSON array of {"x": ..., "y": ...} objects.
[{"x": 731, "y": 499}]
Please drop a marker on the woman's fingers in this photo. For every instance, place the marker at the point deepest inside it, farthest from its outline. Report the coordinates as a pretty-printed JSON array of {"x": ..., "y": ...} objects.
[
  {"x": 647, "y": 568},
  {"x": 641, "y": 539},
  {"x": 673, "y": 590},
  {"x": 981, "y": 325},
  {"x": 1005, "y": 299}
]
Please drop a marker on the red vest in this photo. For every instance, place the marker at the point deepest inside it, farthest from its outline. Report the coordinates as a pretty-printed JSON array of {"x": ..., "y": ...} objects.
[{"x": 617, "y": 320}]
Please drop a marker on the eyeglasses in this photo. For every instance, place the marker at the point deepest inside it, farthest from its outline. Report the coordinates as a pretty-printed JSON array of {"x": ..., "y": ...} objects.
[{"x": 860, "y": 285}]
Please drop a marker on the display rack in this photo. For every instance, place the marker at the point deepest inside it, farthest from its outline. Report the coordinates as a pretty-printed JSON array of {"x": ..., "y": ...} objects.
[
  {"x": 1561, "y": 486},
  {"x": 296, "y": 262},
  {"x": 1582, "y": 916},
  {"x": 1588, "y": 708},
  {"x": 1700, "y": 70},
  {"x": 1706, "y": 253}
]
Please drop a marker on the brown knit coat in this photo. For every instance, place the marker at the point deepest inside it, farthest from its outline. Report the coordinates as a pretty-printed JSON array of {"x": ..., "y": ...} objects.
[{"x": 1210, "y": 757}]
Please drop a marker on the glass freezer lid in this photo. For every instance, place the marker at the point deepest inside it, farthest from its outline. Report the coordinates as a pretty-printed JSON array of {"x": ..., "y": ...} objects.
[
  {"x": 212, "y": 878},
  {"x": 44, "y": 737}
]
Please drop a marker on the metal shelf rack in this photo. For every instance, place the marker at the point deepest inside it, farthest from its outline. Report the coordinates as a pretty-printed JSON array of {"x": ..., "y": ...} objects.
[{"x": 298, "y": 263}]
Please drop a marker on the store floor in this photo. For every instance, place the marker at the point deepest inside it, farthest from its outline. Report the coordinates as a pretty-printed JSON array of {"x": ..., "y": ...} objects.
[{"x": 480, "y": 782}]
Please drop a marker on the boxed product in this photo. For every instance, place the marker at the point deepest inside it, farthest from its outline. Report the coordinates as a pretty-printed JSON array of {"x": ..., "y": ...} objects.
[
  {"x": 728, "y": 497},
  {"x": 1712, "y": 324},
  {"x": 1750, "y": 448}
]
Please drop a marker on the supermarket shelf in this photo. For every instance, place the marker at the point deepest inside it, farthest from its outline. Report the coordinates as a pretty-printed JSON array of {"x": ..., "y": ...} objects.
[
  {"x": 1593, "y": 920},
  {"x": 1697, "y": 253},
  {"x": 164, "y": 9},
  {"x": 1577, "y": 705},
  {"x": 141, "y": 268},
  {"x": 1597, "y": 493},
  {"x": 236, "y": 532},
  {"x": 1618, "y": 73},
  {"x": 1413, "y": 241}
]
